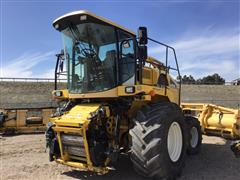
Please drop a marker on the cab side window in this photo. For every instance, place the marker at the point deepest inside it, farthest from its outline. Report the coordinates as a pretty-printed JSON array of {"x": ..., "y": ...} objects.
[{"x": 126, "y": 62}]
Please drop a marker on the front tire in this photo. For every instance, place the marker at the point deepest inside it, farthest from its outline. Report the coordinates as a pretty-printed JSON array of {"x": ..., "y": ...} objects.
[{"x": 159, "y": 141}]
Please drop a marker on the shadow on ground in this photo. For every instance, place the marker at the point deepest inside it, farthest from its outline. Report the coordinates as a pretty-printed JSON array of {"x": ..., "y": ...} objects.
[
  {"x": 213, "y": 162},
  {"x": 122, "y": 170}
]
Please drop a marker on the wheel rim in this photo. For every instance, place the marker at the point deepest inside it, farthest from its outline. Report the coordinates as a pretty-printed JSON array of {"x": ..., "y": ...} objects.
[
  {"x": 194, "y": 137},
  {"x": 174, "y": 141}
]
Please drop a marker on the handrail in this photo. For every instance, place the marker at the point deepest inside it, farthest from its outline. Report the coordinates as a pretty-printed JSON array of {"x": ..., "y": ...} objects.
[{"x": 169, "y": 67}]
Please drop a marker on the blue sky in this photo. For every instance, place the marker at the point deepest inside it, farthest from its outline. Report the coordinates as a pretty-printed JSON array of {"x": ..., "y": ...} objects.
[{"x": 204, "y": 33}]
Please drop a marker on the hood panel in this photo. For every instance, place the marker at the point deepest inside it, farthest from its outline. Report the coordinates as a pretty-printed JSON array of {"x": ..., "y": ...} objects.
[{"x": 77, "y": 116}]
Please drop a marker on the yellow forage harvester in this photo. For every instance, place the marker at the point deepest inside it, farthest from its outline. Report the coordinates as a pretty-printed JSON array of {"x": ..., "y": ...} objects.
[{"x": 118, "y": 100}]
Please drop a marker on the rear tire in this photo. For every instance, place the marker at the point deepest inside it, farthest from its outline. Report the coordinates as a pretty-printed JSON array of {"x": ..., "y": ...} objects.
[
  {"x": 194, "y": 135},
  {"x": 159, "y": 141}
]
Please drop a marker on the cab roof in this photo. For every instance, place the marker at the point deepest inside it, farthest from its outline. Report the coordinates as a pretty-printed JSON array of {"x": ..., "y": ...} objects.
[{"x": 91, "y": 15}]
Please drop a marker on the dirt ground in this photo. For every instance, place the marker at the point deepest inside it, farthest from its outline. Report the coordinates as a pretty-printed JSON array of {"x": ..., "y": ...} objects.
[{"x": 24, "y": 157}]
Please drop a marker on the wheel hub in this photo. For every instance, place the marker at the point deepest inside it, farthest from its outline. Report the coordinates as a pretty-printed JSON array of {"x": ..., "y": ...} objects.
[
  {"x": 194, "y": 137},
  {"x": 175, "y": 141}
]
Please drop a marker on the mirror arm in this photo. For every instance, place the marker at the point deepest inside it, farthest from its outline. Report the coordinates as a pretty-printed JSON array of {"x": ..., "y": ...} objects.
[
  {"x": 59, "y": 57},
  {"x": 56, "y": 69}
]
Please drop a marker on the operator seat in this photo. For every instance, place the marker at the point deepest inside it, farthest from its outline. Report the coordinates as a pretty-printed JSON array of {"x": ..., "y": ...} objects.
[
  {"x": 110, "y": 59},
  {"x": 109, "y": 65},
  {"x": 126, "y": 67}
]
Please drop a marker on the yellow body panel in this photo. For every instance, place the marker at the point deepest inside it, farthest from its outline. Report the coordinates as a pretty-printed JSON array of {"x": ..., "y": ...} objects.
[
  {"x": 77, "y": 116},
  {"x": 104, "y": 94},
  {"x": 171, "y": 93},
  {"x": 68, "y": 130},
  {"x": 150, "y": 76},
  {"x": 100, "y": 170}
]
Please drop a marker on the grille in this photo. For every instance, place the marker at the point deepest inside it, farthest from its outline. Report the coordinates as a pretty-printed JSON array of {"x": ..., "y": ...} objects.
[{"x": 73, "y": 145}]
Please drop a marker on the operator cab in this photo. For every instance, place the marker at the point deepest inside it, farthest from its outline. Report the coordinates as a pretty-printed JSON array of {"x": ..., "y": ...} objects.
[
  {"x": 100, "y": 54},
  {"x": 103, "y": 57}
]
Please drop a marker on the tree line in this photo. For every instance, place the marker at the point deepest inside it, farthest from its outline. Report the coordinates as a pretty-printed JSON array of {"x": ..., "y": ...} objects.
[{"x": 210, "y": 79}]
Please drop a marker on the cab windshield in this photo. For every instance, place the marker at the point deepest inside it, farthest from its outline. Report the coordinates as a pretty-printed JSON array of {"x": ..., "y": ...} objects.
[{"x": 91, "y": 50}]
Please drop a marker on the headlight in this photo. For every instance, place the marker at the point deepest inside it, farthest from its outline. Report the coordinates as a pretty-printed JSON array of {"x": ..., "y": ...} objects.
[
  {"x": 130, "y": 89},
  {"x": 58, "y": 93}
]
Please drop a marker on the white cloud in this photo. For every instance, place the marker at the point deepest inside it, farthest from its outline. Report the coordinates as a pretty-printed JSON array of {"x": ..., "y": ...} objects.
[
  {"x": 226, "y": 68},
  {"x": 207, "y": 54},
  {"x": 23, "y": 66}
]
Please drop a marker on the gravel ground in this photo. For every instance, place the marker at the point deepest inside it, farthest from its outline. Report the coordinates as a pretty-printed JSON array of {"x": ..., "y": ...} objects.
[{"x": 24, "y": 157}]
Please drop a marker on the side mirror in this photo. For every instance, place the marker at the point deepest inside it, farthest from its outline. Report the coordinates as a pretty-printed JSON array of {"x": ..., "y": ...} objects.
[
  {"x": 142, "y": 35},
  {"x": 142, "y": 53}
]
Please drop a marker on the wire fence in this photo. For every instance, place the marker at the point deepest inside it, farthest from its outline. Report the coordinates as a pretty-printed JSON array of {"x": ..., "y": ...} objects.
[
  {"x": 210, "y": 83},
  {"x": 15, "y": 79}
]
